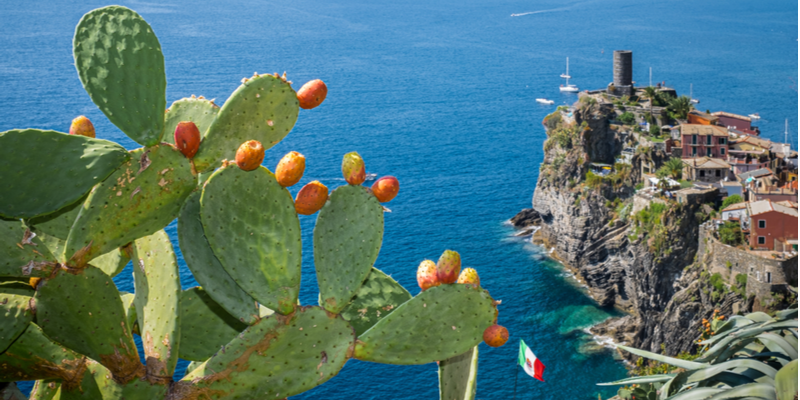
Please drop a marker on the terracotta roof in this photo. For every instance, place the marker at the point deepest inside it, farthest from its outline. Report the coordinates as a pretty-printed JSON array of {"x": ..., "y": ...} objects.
[
  {"x": 790, "y": 185},
  {"x": 703, "y": 115},
  {"x": 731, "y": 115},
  {"x": 706, "y": 163},
  {"x": 737, "y": 206},
  {"x": 763, "y": 143},
  {"x": 702, "y": 130},
  {"x": 787, "y": 203},
  {"x": 754, "y": 174},
  {"x": 765, "y": 206}
]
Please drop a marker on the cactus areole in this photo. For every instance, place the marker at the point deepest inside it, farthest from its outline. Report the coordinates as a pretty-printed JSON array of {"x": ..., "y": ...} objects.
[{"x": 95, "y": 206}]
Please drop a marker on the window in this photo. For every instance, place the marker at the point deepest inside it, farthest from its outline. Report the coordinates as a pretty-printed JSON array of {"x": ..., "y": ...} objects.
[
  {"x": 762, "y": 223},
  {"x": 758, "y": 276},
  {"x": 769, "y": 277},
  {"x": 708, "y": 151},
  {"x": 762, "y": 240},
  {"x": 722, "y": 140},
  {"x": 702, "y": 172},
  {"x": 694, "y": 151},
  {"x": 722, "y": 151},
  {"x": 719, "y": 172},
  {"x": 708, "y": 140},
  {"x": 694, "y": 139}
]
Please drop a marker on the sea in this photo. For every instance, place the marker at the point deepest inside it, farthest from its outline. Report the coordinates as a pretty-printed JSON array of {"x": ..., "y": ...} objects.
[{"x": 440, "y": 94}]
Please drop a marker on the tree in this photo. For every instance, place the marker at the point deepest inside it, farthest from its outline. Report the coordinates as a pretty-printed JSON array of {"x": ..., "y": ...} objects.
[
  {"x": 627, "y": 118},
  {"x": 730, "y": 233},
  {"x": 675, "y": 166},
  {"x": 651, "y": 94},
  {"x": 679, "y": 107},
  {"x": 735, "y": 199}
]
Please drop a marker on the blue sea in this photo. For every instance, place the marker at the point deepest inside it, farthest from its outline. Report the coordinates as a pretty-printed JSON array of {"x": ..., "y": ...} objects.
[{"x": 441, "y": 95}]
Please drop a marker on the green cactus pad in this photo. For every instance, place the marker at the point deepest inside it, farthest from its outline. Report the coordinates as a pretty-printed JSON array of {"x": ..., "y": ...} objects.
[
  {"x": 437, "y": 324},
  {"x": 130, "y": 311},
  {"x": 59, "y": 223},
  {"x": 377, "y": 297},
  {"x": 15, "y": 315},
  {"x": 112, "y": 263},
  {"x": 347, "y": 239},
  {"x": 200, "y": 111},
  {"x": 22, "y": 288},
  {"x": 21, "y": 253},
  {"x": 206, "y": 268},
  {"x": 141, "y": 197},
  {"x": 120, "y": 64},
  {"x": 158, "y": 293},
  {"x": 44, "y": 171},
  {"x": 46, "y": 390},
  {"x": 84, "y": 313},
  {"x": 205, "y": 325},
  {"x": 278, "y": 357},
  {"x": 251, "y": 225},
  {"x": 458, "y": 376},
  {"x": 34, "y": 356},
  {"x": 97, "y": 383},
  {"x": 263, "y": 108}
]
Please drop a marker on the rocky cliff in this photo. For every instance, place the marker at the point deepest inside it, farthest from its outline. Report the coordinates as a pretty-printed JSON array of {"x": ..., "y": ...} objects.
[{"x": 645, "y": 267}]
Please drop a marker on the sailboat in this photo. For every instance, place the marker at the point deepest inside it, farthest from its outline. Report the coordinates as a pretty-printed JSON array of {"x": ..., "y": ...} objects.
[
  {"x": 568, "y": 87},
  {"x": 691, "y": 98}
]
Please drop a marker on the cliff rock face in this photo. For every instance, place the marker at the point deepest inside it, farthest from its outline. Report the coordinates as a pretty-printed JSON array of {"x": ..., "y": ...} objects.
[{"x": 658, "y": 287}]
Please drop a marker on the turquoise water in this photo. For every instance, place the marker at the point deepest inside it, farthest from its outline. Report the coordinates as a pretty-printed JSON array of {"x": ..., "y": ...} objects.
[{"x": 441, "y": 95}]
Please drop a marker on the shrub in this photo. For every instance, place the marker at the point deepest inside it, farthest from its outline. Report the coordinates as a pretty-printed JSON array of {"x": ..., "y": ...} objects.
[
  {"x": 730, "y": 233},
  {"x": 627, "y": 118},
  {"x": 730, "y": 200}
]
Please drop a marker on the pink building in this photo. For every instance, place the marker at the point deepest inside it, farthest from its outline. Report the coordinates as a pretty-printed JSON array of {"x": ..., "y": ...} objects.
[
  {"x": 704, "y": 141},
  {"x": 742, "y": 161},
  {"x": 735, "y": 121}
]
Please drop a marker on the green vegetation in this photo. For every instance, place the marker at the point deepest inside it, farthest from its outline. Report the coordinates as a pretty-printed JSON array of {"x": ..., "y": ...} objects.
[
  {"x": 679, "y": 107},
  {"x": 730, "y": 233},
  {"x": 741, "y": 285},
  {"x": 627, "y": 118},
  {"x": 730, "y": 200}
]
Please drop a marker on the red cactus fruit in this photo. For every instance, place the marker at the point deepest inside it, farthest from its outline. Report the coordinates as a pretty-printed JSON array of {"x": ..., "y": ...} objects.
[
  {"x": 187, "y": 138},
  {"x": 495, "y": 335},
  {"x": 290, "y": 169},
  {"x": 469, "y": 276},
  {"x": 312, "y": 94},
  {"x": 386, "y": 188},
  {"x": 250, "y": 155},
  {"x": 448, "y": 267},
  {"x": 311, "y": 198},
  {"x": 426, "y": 275},
  {"x": 353, "y": 168},
  {"x": 81, "y": 126}
]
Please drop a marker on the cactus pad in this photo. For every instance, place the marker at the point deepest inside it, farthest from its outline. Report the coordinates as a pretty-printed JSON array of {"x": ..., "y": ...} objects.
[
  {"x": 251, "y": 225},
  {"x": 200, "y": 111},
  {"x": 44, "y": 171},
  {"x": 46, "y": 390},
  {"x": 377, "y": 297},
  {"x": 347, "y": 239},
  {"x": 141, "y": 197},
  {"x": 437, "y": 324},
  {"x": 458, "y": 376},
  {"x": 120, "y": 64},
  {"x": 59, "y": 223},
  {"x": 158, "y": 290},
  {"x": 84, "y": 313},
  {"x": 15, "y": 315},
  {"x": 130, "y": 311},
  {"x": 22, "y": 254},
  {"x": 96, "y": 383},
  {"x": 206, "y": 268},
  {"x": 263, "y": 108},
  {"x": 279, "y": 356},
  {"x": 205, "y": 325},
  {"x": 34, "y": 356}
]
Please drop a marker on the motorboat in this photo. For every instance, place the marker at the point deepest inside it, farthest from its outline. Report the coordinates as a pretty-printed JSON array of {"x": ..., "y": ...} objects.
[
  {"x": 754, "y": 116},
  {"x": 545, "y": 101},
  {"x": 370, "y": 177},
  {"x": 568, "y": 87}
]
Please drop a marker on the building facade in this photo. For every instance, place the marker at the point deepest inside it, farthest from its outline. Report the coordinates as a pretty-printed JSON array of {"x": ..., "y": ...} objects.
[
  {"x": 704, "y": 141},
  {"x": 770, "y": 224}
]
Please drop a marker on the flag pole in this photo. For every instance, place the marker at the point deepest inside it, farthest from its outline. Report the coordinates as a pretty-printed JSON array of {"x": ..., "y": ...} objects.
[{"x": 516, "y": 375}]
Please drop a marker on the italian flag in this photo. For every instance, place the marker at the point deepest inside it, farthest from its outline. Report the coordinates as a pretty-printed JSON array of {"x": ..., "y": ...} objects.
[{"x": 529, "y": 362}]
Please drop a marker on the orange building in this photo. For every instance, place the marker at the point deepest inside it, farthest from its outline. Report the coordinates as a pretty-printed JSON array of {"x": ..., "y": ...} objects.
[
  {"x": 771, "y": 224},
  {"x": 701, "y": 118}
]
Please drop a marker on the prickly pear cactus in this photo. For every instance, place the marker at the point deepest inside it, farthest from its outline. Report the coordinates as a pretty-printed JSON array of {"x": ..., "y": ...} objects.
[{"x": 71, "y": 221}]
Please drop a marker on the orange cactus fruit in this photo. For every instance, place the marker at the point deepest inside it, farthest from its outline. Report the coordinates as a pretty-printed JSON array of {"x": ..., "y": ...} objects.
[
  {"x": 311, "y": 198},
  {"x": 250, "y": 155},
  {"x": 187, "y": 138},
  {"x": 82, "y": 126},
  {"x": 495, "y": 335},
  {"x": 448, "y": 267},
  {"x": 386, "y": 188},
  {"x": 353, "y": 168},
  {"x": 312, "y": 94},
  {"x": 290, "y": 169},
  {"x": 426, "y": 275},
  {"x": 34, "y": 281},
  {"x": 469, "y": 276}
]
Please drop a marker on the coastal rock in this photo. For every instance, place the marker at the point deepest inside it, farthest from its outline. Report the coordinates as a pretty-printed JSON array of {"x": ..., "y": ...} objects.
[{"x": 525, "y": 218}]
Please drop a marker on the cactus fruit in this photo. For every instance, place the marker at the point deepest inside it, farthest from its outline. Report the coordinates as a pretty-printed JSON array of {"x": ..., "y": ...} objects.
[
  {"x": 290, "y": 169},
  {"x": 495, "y": 335},
  {"x": 426, "y": 275},
  {"x": 187, "y": 138},
  {"x": 198, "y": 110},
  {"x": 469, "y": 276},
  {"x": 448, "y": 267},
  {"x": 385, "y": 188},
  {"x": 250, "y": 155},
  {"x": 81, "y": 126},
  {"x": 312, "y": 94},
  {"x": 353, "y": 168},
  {"x": 311, "y": 198}
]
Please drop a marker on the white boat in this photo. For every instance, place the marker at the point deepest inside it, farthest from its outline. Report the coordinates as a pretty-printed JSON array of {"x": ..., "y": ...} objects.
[
  {"x": 754, "y": 116},
  {"x": 568, "y": 87},
  {"x": 370, "y": 177},
  {"x": 691, "y": 98},
  {"x": 545, "y": 101}
]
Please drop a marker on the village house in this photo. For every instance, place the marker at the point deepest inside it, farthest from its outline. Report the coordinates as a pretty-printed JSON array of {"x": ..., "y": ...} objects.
[
  {"x": 734, "y": 212},
  {"x": 772, "y": 226},
  {"x": 704, "y": 141},
  {"x": 701, "y": 118},
  {"x": 705, "y": 169},
  {"x": 737, "y": 122},
  {"x": 742, "y": 161}
]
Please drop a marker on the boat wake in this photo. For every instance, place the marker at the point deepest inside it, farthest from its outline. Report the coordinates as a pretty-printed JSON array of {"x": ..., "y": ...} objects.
[{"x": 541, "y": 11}]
